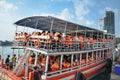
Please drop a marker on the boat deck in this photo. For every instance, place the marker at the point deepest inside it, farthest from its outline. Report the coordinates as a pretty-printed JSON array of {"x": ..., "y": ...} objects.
[{"x": 9, "y": 73}]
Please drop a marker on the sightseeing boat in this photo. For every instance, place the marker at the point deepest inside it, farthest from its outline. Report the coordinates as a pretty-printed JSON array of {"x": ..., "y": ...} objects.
[{"x": 61, "y": 50}]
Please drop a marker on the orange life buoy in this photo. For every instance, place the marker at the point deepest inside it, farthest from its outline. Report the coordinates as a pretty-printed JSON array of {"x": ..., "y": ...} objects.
[{"x": 37, "y": 44}]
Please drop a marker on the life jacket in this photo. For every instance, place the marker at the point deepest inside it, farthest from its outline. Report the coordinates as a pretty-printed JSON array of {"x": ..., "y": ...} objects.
[
  {"x": 55, "y": 66},
  {"x": 91, "y": 40},
  {"x": 66, "y": 64},
  {"x": 83, "y": 61},
  {"x": 68, "y": 41},
  {"x": 43, "y": 63},
  {"x": 75, "y": 63},
  {"x": 99, "y": 57},
  {"x": 31, "y": 60},
  {"x": 14, "y": 59}
]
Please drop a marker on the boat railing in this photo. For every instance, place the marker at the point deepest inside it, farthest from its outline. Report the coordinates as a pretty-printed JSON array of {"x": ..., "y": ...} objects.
[
  {"x": 18, "y": 43},
  {"x": 60, "y": 46},
  {"x": 109, "y": 44},
  {"x": 54, "y": 46},
  {"x": 64, "y": 46},
  {"x": 98, "y": 45}
]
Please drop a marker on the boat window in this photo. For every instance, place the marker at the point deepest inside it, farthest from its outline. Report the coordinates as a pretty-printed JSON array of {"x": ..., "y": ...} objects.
[
  {"x": 99, "y": 55},
  {"x": 94, "y": 55},
  {"x": 54, "y": 63},
  {"x": 102, "y": 54},
  {"x": 76, "y": 59},
  {"x": 83, "y": 60},
  {"x": 66, "y": 61},
  {"x": 90, "y": 58},
  {"x": 37, "y": 59},
  {"x": 31, "y": 59}
]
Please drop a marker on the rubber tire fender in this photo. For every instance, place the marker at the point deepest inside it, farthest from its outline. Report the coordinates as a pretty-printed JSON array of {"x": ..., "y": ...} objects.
[
  {"x": 109, "y": 66},
  {"x": 79, "y": 76}
]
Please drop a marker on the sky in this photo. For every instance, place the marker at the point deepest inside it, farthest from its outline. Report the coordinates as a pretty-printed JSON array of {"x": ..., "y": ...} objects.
[{"x": 84, "y": 12}]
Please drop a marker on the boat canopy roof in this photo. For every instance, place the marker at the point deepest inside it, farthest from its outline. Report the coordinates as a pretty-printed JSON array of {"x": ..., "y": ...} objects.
[{"x": 49, "y": 23}]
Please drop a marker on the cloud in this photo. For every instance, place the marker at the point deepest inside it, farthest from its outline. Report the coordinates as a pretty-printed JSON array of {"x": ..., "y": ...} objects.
[
  {"x": 81, "y": 8},
  {"x": 81, "y": 11},
  {"x": 64, "y": 14},
  {"x": 7, "y": 6},
  {"x": 60, "y": 0},
  {"x": 7, "y": 18},
  {"x": 89, "y": 22}
]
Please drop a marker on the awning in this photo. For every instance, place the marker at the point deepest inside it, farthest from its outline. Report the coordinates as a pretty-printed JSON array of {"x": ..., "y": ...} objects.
[{"x": 49, "y": 23}]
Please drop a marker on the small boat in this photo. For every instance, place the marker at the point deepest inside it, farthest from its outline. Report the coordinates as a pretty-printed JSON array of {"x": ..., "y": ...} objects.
[{"x": 60, "y": 50}]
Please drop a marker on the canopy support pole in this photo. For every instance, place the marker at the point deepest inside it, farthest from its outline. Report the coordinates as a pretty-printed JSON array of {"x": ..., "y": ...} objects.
[
  {"x": 80, "y": 59},
  {"x": 51, "y": 25},
  {"x": 61, "y": 61},
  {"x": 46, "y": 66},
  {"x": 65, "y": 28},
  {"x": 72, "y": 59},
  {"x": 36, "y": 58},
  {"x": 36, "y": 24}
]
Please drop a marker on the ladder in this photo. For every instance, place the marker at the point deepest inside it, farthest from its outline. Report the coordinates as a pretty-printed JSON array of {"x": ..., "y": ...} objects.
[{"x": 20, "y": 66}]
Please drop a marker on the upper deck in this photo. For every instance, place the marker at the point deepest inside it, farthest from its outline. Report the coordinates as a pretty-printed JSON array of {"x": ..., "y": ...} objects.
[
  {"x": 49, "y": 23},
  {"x": 51, "y": 34}
]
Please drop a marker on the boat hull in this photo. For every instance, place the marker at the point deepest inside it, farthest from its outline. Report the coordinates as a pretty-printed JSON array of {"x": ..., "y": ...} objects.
[{"x": 88, "y": 71}]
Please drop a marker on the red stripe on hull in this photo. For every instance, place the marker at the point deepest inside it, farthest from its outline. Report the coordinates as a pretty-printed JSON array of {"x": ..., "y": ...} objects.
[{"x": 81, "y": 70}]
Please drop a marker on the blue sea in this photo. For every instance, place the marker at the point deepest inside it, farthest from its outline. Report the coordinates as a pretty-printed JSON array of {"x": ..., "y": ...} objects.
[{"x": 6, "y": 50}]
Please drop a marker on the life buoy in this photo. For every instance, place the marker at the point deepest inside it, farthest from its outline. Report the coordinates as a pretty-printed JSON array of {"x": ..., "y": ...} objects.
[
  {"x": 37, "y": 44},
  {"x": 79, "y": 76}
]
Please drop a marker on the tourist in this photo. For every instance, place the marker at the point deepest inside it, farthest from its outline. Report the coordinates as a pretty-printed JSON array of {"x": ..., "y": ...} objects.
[
  {"x": 34, "y": 74},
  {"x": 31, "y": 59},
  {"x": 7, "y": 61},
  {"x": 31, "y": 75},
  {"x": 1, "y": 61},
  {"x": 14, "y": 60},
  {"x": 55, "y": 66}
]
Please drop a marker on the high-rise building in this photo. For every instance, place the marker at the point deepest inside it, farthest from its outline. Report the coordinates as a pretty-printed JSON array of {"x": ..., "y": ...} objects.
[{"x": 109, "y": 22}]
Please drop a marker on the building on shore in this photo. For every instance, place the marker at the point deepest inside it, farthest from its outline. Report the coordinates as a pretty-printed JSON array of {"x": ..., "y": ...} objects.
[{"x": 109, "y": 22}]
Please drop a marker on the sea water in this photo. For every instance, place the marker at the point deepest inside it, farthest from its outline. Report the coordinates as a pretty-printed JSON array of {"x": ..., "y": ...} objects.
[{"x": 6, "y": 50}]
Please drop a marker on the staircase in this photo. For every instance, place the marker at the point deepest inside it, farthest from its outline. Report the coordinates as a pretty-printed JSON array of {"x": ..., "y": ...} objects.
[{"x": 21, "y": 64}]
